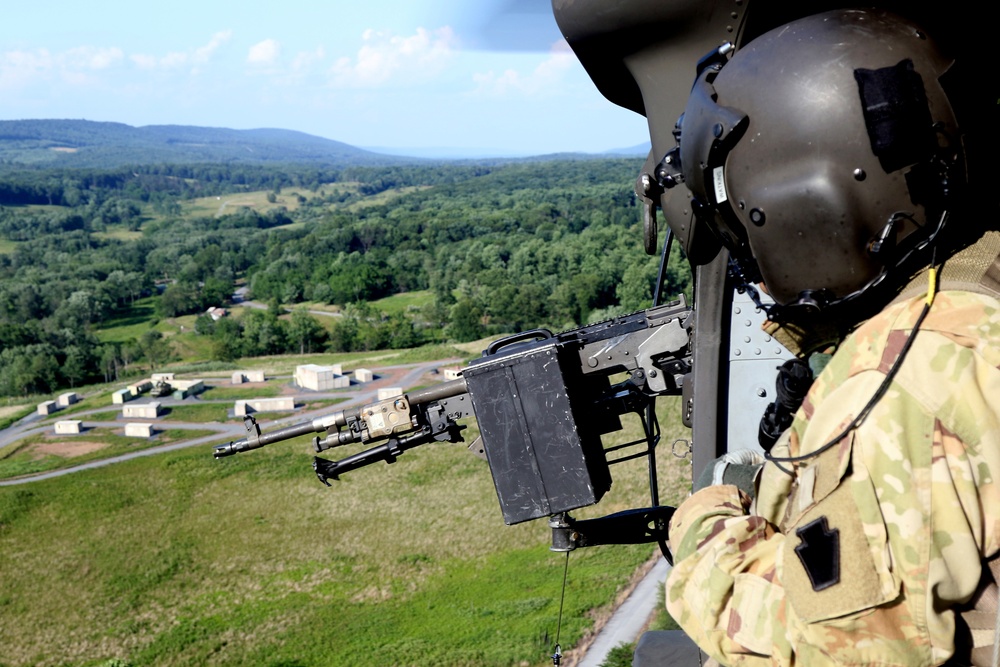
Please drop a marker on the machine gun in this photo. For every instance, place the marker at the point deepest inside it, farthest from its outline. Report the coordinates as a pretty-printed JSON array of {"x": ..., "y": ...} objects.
[{"x": 542, "y": 402}]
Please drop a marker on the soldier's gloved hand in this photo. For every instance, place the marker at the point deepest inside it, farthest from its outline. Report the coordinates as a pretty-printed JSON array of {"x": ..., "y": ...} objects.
[{"x": 738, "y": 468}]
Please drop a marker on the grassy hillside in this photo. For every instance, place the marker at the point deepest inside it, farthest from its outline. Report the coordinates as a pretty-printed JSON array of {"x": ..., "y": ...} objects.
[{"x": 179, "y": 559}]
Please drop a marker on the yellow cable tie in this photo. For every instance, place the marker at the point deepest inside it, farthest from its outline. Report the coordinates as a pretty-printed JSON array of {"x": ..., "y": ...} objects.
[{"x": 931, "y": 285}]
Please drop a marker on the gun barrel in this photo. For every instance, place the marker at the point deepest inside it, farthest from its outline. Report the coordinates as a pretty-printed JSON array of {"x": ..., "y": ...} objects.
[
  {"x": 286, "y": 433},
  {"x": 228, "y": 450},
  {"x": 256, "y": 440},
  {"x": 438, "y": 392}
]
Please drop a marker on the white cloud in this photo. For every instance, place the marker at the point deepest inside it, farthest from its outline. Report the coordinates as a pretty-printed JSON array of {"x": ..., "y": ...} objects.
[
  {"x": 203, "y": 53},
  {"x": 385, "y": 56},
  {"x": 264, "y": 53},
  {"x": 143, "y": 61},
  {"x": 21, "y": 67},
  {"x": 75, "y": 66},
  {"x": 305, "y": 59},
  {"x": 88, "y": 57},
  {"x": 176, "y": 59},
  {"x": 544, "y": 77}
]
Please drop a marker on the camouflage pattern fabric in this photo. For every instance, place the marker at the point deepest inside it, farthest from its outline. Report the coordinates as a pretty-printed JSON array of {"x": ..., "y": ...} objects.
[{"x": 860, "y": 556}]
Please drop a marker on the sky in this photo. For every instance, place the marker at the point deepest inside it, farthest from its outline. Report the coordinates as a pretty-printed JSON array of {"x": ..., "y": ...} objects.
[{"x": 491, "y": 76}]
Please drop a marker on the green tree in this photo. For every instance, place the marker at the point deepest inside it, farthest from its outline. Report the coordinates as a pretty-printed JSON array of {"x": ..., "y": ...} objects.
[
  {"x": 466, "y": 321},
  {"x": 356, "y": 278},
  {"x": 29, "y": 369},
  {"x": 635, "y": 291},
  {"x": 305, "y": 332},
  {"x": 344, "y": 335},
  {"x": 76, "y": 367},
  {"x": 263, "y": 334},
  {"x": 400, "y": 332},
  {"x": 179, "y": 298},
  {"x": 227, "y": 342},
  {"x": 204, "y": 325},
  {"x": 109, "y": 362},
  {"x": 154, "y": 348},
  {"x": 215, "y": 292}
]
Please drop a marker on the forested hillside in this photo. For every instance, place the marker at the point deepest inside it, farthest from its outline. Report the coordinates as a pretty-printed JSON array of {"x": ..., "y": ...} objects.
[
  {"x": 82, "y": 143},
  {"x": 493, "y": 249}
]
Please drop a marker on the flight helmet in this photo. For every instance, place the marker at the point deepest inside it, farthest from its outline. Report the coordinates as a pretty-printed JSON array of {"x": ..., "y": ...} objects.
[{"x": 824, "y": 154}]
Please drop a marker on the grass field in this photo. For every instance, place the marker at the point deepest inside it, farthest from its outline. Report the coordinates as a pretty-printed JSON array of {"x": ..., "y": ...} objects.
[
  {"x": 41, "y": 453},
  {"x": 385, "y": 197},
  {"x": 13, "y": 413},
  {"x": 179, "y": 559},
  {"x": 141, "y": 317},
  {"x": 109, "y": 416},
  {"x": 119, "y": 234},
  {"x": 191, "y": 347},
  {"x": 130, "y": 325},
  {"x": 207, "y": 412},
  {"x": 390, "y": 305},
  {"x": 400, "y": 303},
  {"x": 312, "y": 305},
  {"x": 237, "y": 393},
  {"x": 231, "y": 203}
]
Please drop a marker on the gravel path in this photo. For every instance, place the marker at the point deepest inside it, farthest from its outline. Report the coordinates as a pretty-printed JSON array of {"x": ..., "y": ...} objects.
[{"x": 629, "y": 619}]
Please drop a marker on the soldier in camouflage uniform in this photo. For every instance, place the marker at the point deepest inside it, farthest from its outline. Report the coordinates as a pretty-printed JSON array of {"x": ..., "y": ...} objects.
[
  {"x": 870, "y": 528},
  {"x": 861, "y": 555}
]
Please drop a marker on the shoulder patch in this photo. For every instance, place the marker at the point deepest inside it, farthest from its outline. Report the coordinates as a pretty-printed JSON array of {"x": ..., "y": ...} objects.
[
  {"x": 827, "y": 563},
  {"x": 819, "y": 552}
]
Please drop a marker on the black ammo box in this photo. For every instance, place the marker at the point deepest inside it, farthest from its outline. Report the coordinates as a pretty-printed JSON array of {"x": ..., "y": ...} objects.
[{"x": 544, "y": 450}]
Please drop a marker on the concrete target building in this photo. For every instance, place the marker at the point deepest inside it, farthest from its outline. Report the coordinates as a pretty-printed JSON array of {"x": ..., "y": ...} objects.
[
  {"x": 239, "y": 377},
  {"x": 139, "y": 430},
  {"x": 141, "y": 410},
  {"x": 140, "y": 387},
  {"x": 281, "y": 403},
  {"x": 184, "y": 388},
  {"x": 67, "y": 399},
  {"x": 69, "y": 427},
  {"x": 389, "y": 392},
  {"x": 321, "y": 378}
]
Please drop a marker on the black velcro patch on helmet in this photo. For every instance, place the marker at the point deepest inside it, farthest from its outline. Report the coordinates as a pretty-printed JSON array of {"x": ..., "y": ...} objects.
[{"x": 896, "y": 114}]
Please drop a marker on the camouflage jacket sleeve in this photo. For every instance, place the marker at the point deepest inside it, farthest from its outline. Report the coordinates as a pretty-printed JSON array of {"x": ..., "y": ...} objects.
[{"x": 861, "y": 555}]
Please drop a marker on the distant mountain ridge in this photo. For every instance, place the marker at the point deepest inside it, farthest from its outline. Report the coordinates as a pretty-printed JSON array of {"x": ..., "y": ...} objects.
[
  {"x": 103, "y": 145},
  {"x": 638, "y": 149},
  {"x": 84, "y": 143}
]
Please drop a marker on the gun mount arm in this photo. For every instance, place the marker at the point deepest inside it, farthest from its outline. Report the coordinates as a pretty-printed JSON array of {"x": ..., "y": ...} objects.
[{"x": 635, "y": 526}]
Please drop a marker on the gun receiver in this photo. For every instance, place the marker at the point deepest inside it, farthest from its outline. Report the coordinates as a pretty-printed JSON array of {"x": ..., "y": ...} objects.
[{"x": 542, "y": 402}]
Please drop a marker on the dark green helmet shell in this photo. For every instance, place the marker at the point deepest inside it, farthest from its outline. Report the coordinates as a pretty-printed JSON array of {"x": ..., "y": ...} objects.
[{"x": 823, "y": 149}]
